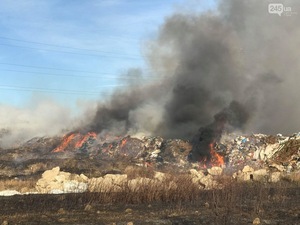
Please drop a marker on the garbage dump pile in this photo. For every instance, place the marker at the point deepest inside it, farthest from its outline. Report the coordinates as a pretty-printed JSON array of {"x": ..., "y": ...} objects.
[
  {"x": 245, "y": 157},
  {"x": 236, "y": 151},
  {"x": 231, "y": 151},
  {"x": 149, "y": 151},
  {"x": 259, "y": 150}
]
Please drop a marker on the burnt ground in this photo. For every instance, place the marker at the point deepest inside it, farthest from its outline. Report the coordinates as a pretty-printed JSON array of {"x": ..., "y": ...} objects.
[{"x": 235, "y": 204}]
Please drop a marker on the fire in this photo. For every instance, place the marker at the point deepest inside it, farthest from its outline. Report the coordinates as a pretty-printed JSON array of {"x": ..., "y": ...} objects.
[
  {"x": 84, "y": 138},
  {"x": 123, "y": 142},
  {"x": 216, "y": 159},
  {"x": 76, "y": 140},
  {"x": 65, "y": 143}
]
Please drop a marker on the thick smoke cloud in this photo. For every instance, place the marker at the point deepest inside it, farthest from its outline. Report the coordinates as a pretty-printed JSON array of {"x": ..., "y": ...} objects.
[
  {"x": 238, "y": 58},
  {"x": 240, "y": 53},
  {"x": 202, "y": 83},
  {"x": 230, "y": 118},
  {"x": 270, "y": 46},
  {"x": 129, "y": 111},
  {"x": 207, "y": 77}
]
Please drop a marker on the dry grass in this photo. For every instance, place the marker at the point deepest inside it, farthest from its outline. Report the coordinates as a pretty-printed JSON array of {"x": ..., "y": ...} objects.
[
  {"x": 144, "y": 190},
  {"x": 176, "y": 196},
  {"x": 18, "y": 185},
  {"x": 137, "y": 171},
  {"x": 254, "y": 199},
  {"x": 293, "y": 177},
  {"x": 179, "y": 189}
]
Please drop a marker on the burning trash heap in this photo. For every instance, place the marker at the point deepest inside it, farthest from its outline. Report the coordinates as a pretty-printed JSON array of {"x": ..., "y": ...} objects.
[
  {"x": 102, "y": 158},
  {"x": 213, "y": 152},
  {"x": 216, "y": 149},
  {"x": 216, "y": 85},
  {"x": 244, "y": 157}
]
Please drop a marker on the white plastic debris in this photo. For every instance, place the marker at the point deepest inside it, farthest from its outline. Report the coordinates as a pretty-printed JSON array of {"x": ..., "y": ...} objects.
[{"x": 9, "y": 193}]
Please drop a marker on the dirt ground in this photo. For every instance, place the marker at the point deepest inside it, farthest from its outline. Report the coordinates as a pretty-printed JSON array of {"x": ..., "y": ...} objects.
[{"x": 273, "y": 205}]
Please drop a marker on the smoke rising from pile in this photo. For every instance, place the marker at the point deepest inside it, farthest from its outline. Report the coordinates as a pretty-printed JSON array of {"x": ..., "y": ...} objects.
[
  {"x": 230, "y": 118},
  {"x": 240, "y": 53}
]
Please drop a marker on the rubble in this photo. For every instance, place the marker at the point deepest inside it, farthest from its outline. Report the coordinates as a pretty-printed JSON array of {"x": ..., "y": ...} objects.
[
  {"x": 208, "y": 182},
  {"x": 57, "y": 182},
  {"x": 260, "y": 174},
  {"x": 110, "y": 182},
  {"x": 196, "y": 177},
  {"x": 215, "y": 171},
  {"x": 205, "y": 181},
  {"x": 263, "y": 175}
]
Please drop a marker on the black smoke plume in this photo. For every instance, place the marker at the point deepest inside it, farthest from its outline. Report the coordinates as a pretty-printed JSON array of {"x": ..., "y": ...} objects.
[
  {"x": 231, "y": 118},
  {"x": 239, "y": 63}
]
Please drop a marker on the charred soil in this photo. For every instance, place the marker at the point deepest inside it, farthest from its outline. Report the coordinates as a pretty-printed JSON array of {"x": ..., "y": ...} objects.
[{"x": 237, "y": 203}]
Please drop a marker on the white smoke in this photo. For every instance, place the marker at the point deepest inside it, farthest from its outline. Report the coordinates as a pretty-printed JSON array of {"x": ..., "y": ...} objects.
[{"x": 39, "y": 118}]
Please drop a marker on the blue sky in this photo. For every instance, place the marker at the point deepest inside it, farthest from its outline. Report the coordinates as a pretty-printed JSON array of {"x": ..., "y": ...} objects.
[{"x": 74, "y": 50}]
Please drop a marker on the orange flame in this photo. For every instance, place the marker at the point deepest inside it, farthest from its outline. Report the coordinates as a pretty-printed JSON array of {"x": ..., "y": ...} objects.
[
  {"x": 69, "y": 139},
  {"x": 84, "y": 138},
  {"x": 65, "y": 143},
  {"x": 123, "y": 142},
  {"x": 216, "y": 159}
]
